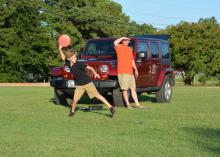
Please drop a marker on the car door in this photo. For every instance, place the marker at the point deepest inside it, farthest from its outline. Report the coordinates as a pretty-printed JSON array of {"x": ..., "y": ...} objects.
[
  {"x": 155, "y": 66},
  {"x": 143, "y": 64}
]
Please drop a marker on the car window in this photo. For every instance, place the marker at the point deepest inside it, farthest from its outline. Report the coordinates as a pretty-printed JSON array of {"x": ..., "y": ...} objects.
[
  {"x": 100, "y": 47},
  {"x": 154, "y": 50},
  {"x": 103, "y": 47},
  {"x": 131, "y": 45},
  {"x": 92, "y": 48},
  {"x": 164, "y": 50},
  {"x": 142, "y": 47}
]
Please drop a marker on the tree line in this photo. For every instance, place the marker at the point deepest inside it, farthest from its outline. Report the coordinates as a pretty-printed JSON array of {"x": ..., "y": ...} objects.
[{"x": 29, "y": 30}]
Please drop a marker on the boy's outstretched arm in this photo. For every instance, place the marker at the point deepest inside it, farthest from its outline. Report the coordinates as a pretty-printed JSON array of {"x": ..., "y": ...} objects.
[
  {"x": 93, "y": 71},
  {"x": 62, "y": 55}
]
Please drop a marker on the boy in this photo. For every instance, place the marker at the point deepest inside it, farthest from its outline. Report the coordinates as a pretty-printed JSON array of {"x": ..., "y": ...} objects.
[{"x": 83, "y": 81}]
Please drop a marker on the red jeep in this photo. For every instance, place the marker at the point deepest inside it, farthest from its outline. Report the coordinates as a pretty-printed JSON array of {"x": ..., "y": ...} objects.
[{"x": 153, "y": 60}]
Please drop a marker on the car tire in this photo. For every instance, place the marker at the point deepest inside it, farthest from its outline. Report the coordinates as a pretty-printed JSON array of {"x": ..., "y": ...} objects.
[
  {"x": 59, "y": 97},
  {"x": 117, "y": 97},
  {"x": 165, "y": 93}
]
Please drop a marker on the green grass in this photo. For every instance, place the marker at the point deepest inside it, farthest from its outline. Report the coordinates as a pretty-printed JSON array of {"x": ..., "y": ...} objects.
[{"x": 31, "y": 125}]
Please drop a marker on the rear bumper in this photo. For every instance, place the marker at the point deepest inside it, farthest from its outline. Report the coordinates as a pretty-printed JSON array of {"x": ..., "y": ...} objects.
[{"x": 67, "y": 84}]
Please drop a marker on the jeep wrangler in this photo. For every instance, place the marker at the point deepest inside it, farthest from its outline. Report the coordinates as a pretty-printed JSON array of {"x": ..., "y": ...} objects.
[{"x": 153, "y": 61}]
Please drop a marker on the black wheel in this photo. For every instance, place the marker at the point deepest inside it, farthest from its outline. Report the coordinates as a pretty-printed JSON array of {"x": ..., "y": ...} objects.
[
  {"x": 117, "y": 97},
  {"x": 165, "y": 93},
  {"x": 59, "y": 97}
]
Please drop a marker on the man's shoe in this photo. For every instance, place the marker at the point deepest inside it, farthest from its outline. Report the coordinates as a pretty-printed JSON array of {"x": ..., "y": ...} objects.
[
  {"x": 139, "y": 107},
  {"x": 129, "y": 107},
  {"x": 71, "y": 114},
  {"x": 112, "y": 110}
]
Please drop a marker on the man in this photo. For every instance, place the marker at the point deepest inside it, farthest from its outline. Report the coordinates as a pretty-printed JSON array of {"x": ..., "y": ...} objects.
[
  {"x": 126, "y": 65},
  {"x": 83, "y": 81}
]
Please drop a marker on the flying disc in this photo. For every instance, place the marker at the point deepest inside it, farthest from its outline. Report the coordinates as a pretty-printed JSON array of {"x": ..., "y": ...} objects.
[{"x": 64, "y": 40}]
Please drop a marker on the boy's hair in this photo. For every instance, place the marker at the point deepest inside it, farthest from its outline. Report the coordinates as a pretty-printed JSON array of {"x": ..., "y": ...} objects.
[{"x": 69, "y": 53}]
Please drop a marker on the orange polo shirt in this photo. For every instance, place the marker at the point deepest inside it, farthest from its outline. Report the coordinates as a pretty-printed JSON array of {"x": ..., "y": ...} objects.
[{"x": 124, "y": 57}]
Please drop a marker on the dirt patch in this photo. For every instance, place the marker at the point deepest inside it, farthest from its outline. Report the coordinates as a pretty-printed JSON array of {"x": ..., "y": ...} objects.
[{"x": 25, "y": 84}]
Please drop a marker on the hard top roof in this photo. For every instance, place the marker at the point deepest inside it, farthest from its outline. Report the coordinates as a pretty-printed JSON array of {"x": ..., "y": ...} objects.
[{"x": 163, "y": 37}]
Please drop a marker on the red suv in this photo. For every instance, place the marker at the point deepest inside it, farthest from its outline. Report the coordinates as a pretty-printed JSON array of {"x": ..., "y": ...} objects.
[{"x": 152, "y": 57}]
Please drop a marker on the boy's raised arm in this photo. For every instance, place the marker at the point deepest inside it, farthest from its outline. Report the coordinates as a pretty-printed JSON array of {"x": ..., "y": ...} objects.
[{"x": 62, "y": 55}]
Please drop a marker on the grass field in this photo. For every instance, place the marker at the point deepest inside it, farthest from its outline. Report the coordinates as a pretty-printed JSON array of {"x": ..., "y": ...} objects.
[{"x": 32, "y": 125}]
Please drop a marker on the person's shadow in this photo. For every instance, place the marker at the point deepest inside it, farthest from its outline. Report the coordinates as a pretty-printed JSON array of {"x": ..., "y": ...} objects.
[{"x": 95, "y": 106}]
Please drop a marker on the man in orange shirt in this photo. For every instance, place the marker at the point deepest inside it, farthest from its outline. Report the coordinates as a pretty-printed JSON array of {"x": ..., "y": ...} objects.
[{"x": 126, "y": 65}]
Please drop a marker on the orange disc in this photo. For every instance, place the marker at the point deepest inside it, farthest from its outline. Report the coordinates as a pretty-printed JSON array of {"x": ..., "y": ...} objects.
[{"x": 64, "y": 40}]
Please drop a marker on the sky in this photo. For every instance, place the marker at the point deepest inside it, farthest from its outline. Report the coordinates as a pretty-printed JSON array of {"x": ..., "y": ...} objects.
[{"x": 161, "y": 13}]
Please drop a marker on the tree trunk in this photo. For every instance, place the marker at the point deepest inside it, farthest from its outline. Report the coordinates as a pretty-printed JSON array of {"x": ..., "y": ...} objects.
[{"x": 188, "y": 80}]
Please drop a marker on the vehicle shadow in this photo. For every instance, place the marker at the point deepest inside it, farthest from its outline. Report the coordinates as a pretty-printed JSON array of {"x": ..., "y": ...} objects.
[
  {"x": 207, "y": 138},
  {"x": 144, "y": 98}
]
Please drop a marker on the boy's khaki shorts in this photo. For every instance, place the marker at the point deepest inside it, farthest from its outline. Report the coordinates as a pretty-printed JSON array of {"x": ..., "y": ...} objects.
[
  {"x": 126, "y": 81},
  {"x": 89, "y": 88}
]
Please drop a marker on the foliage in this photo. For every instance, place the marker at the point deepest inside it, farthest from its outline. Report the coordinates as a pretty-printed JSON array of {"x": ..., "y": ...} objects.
[
  {"x": 196, "y": 48},
  {"x": 29, "y": 31}
]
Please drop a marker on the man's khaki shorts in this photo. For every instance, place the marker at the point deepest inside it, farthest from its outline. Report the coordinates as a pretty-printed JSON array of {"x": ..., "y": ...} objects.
[
  {"x": 126, "y": 81},
  {"x": 89, "y": 88}
]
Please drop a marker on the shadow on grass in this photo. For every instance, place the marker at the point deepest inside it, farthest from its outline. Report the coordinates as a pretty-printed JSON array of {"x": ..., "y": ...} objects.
[
  {"x": 207, "y": 138},
  {"x": 144, "y": 98},
  {"x": 82, "y": 105},
  {"x": 86, "y": 100}
]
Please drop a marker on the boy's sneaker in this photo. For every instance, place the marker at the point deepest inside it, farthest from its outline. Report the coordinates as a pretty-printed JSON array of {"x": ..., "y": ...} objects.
[
  {"x": 71, "y": 114},
  {"x": 112, "y": 110}
]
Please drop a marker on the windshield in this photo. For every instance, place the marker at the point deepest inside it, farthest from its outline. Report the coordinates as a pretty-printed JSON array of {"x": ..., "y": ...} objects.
[{"x": 102, "y": 47}]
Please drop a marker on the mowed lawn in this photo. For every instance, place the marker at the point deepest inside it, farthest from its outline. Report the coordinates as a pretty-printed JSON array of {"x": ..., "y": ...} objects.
[{"x": 32, "y": 125}]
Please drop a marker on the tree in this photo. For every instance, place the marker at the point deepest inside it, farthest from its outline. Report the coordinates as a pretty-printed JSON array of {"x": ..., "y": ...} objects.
[
  {"x": 29, "y": 31},
  {"x": 195, "y": 48},
  {"x": 25, "y": 45}
]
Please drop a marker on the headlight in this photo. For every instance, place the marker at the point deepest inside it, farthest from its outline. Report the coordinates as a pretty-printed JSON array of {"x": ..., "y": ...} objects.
[
  {"x": 67, "y": 69},
  {"x": 104, "y": 68}
]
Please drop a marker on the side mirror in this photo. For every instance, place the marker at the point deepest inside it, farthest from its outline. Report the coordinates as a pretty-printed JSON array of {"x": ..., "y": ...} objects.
[{"x": 141, "y": 55}]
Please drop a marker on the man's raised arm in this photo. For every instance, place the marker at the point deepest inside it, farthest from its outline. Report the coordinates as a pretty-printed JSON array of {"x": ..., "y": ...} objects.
[{"x": 117, "y": 41}]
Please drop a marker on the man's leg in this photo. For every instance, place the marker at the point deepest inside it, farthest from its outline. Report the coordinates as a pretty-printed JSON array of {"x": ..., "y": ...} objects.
[
  {"x": 124, "y": 83},
  {"x": 125, "y": 96},
  {"x": 132, "y": 86},
  {"x": 134, "y": 96}
]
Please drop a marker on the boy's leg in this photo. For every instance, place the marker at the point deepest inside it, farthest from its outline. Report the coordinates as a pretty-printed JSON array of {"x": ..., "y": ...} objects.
[
  {"x": 92, "y": 92},
  {"x": 103, "y": 100},
  {"x": 75, "y": 101},
  {"x": 77, "y": 95}
]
